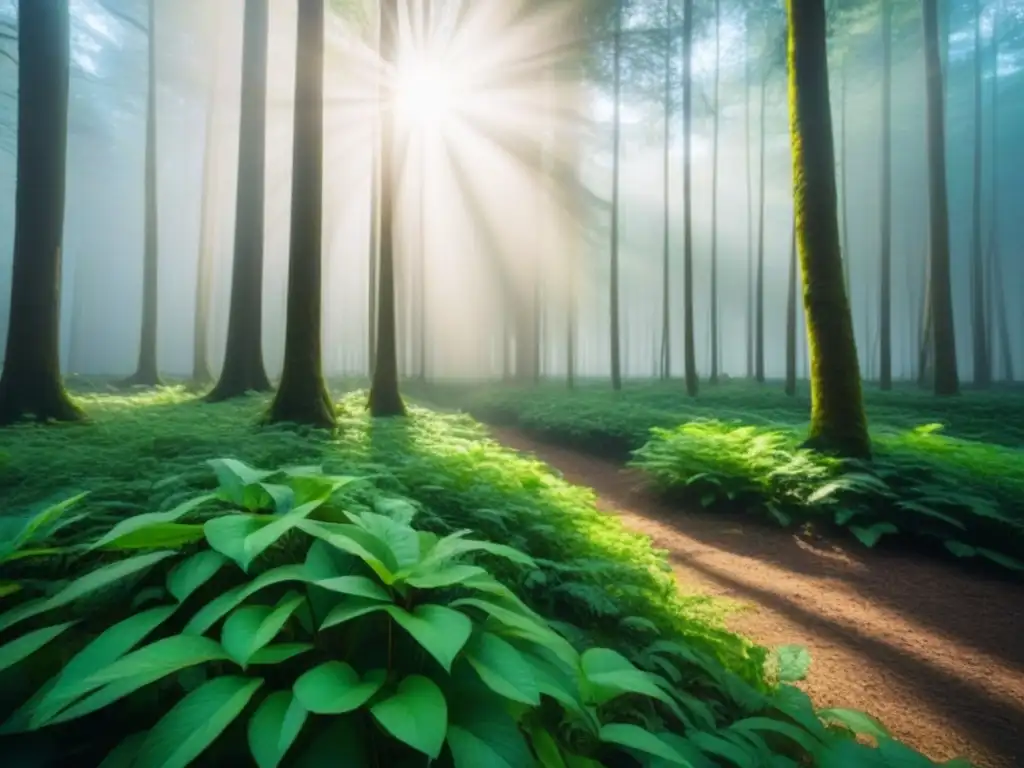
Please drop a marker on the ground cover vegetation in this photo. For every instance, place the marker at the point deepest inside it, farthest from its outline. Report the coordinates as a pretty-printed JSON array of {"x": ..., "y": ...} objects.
[
  {"x": 180, "y": 588},
  {"x": 948, "y": 475}
]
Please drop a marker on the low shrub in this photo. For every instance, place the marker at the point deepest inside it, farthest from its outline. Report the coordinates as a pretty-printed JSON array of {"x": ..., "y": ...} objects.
[{"x": 272, "y": 621}]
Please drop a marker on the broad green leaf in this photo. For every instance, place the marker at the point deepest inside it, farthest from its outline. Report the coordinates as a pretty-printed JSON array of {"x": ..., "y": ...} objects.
[
  {"x": 136, "y": 523},
  {"x": 210, "y": 613},
  {"x": 445, "y": 576},
  {"x": 282, "y": 496},
  {"x": 455, "y": 545},
  {"x": 999, "y": 558},
  {"x": 503, "y": 668},
  {"x": 960, "y": 549},
  {"x": 636, "y": 738},
  {"x": 189, "y": 575},
  {"x": 524, "y": 625},
  {"x": 441, "y": 631},
  {"x": 149, "y": 663},
  {"x": 44, "y": 519},
  {"x": 417, "y": 715},
  {"x": 351, "y": 608},
  {"x": 869, "y": 536},
  {"x": 251, "y": 627},
  {"x": 109, "y": 646},
  {"x": 794, "y": 662},
  {"x": 355, "y": 541},
  {"x": 924, "y": 509},
  {"x": 228, "y": 534},
  {"x": 273, "y": 728},
  {"x": 715, "y": 745},
  {"x": 611, "y": 674},
  {"x": 399, "y": 510},
  {"x": 159, "y": 535},
  {"x": 124, "y": 754},
  {"x": 341, "y": 736},
  {"x": 82, "y": 586},
  {"x": 196, "y": 721},
  {"x": 334, "y": 688},
  {"x": 357, "y": 586},
  {"x": 235, "y": 477},
  {"x": 9, "y": 588},
  {"x": 544, "y": 744},
  {"x": 402, "y": 541},
  {"x": 275, "y": 654},
  {"x": 257, "y": 542},
  {"x": 24, "y": 646},
  {"x": 792, "y": 732},
  {"x": 858, "y": 722}
]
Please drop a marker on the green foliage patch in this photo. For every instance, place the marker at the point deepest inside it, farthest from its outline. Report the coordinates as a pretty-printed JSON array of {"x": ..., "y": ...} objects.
[{"x": 955, "y": 485}]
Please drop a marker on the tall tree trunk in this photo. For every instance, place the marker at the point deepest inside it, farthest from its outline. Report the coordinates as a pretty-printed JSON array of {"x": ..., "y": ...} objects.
[
  {"x": 714, "y": 197},
  {"x": 374, "y": 252},
  {"x": 146, "y": 370},
  {"x": 243, "y": 369},
  {"x": 666, "y": 316},
  {"x": 791, "y": 320},
  {"x": 998, "y": 298},
  {"x": 979, "y": 346},
  {"x": 946, "y": 380},
  {"x": 843, "y": 162},
  {"x": 30, "y": 383},
  {"x": 925, "y": 346},
  {"x": 616, "y": 363},
  {"x": 885, "y": 292},
  {"x": 689, "y": 350},
  {"x": 759, "y": 288},
  {"x": 302, "y": 396},
  {"x": 837, "y": 410},
  {"x": 748, "y": 80},
  {"x": 385, "y": 399}
]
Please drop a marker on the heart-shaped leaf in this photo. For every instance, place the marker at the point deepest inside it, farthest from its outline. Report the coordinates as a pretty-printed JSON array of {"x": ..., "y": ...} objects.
[{"x": 416, "y": 715}]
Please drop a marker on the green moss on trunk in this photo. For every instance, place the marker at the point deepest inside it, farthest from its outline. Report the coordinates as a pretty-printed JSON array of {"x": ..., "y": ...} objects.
[{"x": 838, "y": 423}]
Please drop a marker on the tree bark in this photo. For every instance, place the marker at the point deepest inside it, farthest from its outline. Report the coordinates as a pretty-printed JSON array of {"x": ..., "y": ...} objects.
[
  {"x": 979, "y": 347},
  {"x": 689, "y": 346},
  {"x": 385, "y": 399},
  {"x": 714, "y": 198},
  {"x": 302, "y": 395},
  {"x": 791, "y": 320},
  {"x": 844, "y": 89},
  {"x": 838, "y": 423},
  {"x": 243, "y": 369},
  {"x": 748, "y": 79},
  {"x": 666, "y": 314},
  {"x": 946, "y": 380},
  {"x": 147, "y": 370},
  {"x": 885, "y": 291},
  {"x": 30, "y": 383},
  {"x": 616, "y": 362},
  {"x": 759, "y": 286}
]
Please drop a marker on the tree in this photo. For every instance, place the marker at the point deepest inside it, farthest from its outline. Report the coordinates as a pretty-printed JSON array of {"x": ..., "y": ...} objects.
[
  {"x": 759, "y": 284},
  {"x": 385, "y": 398},
  {"x": 885, "y": 298},
  {"x": 30, "y": 383},
  {"x": 613, "y": 281},
  {"x": 945, "y": 378},
  {"x": 791, "y": 319},
  {"x": 714, "y": 196},
  {"x": 979, "y": 337},
  {"x": 666, "y": 316},
  {"x": 689, "y": 348},
  {"x": 838, "y": 424},
  {"x": 243, "y": 369},
  {"x": 147, "y": 371},
  {"x": 302, "y": 395}
]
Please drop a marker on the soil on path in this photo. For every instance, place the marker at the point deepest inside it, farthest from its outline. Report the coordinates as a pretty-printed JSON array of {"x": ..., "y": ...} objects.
[{"x": 935, "y": 653}]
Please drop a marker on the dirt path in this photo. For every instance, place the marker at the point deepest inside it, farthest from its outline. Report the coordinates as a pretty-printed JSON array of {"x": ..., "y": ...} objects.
[{"x": 936, "y": 654}]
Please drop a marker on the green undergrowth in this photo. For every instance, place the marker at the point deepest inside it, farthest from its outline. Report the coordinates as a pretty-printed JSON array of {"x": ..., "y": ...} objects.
[
  {"x": 739, "y": 448},
  {"x": 347, "y": 597}
]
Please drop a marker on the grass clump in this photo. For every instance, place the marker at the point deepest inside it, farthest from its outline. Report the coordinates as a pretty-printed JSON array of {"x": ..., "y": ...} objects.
[
  {"x": 954, "y": 487},
  {"x": 271, "y": 620}
]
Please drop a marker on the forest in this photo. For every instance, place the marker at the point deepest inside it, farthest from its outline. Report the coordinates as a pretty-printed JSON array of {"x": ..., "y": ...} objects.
[{"x": 533, "y": 383}]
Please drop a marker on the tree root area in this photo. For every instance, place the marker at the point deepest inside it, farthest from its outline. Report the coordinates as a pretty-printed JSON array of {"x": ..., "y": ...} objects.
[{"x": 935, "y": 653}]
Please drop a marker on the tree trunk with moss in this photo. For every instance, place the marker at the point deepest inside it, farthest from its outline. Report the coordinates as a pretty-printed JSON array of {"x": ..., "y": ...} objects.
[
  {"x": 791, "y": 320},
  {"x": 838, "y": 424},
  {"x": 243, "y": 369},
  {"x": 302, "y": 395},
  {"x": 147, "y": 371},
  {"x": 945, "y": 377},
  {"x": 385, "y": 398},
  {"x": 30, "y": 383}
]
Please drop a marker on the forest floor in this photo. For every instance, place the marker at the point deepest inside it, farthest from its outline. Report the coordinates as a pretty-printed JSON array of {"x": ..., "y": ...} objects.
[{"x": 931, "y": 650}]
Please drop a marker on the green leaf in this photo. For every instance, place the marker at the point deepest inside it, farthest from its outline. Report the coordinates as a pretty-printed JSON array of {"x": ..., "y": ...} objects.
[
  {"x": 922, "y": 509},
  {"x": 441, "y": 631},
  {"x": 1000, "y": 559},
  {"x": 524, "y": 625},
  {"x": 455, "y": 545},
  {"x": 401, "y": 540},
  {"x": 960, "y": 549},
  {"x": 714, "y": 744},
  {"x": 276, "y": 654},
  {"x": 357, "y": 586},
  {"x": 399, "y": 510},
  {"x": 341, "y": 736},
  {"x": 282, "y": 496},
  {"x": 856, "y": 721},
  {"x": 189, "y": 575},
  {"x": 355, "y": 541},
  {"x": 793, "y": 733},
  {"x": 82, "y": 586},
  {"x": 416, "y": 715},
  {"x": 210, "y": 613},
  {"x": 124, "y": 754},
  {"x": 611, "y": 674},
  {"x": 445, "y": 576},
  {"x": 636, "y": 738},
  {"x": 251, "y": 627},
  {"x": 503, "y": 669},
  {"x": 870, "y": 536},
  {"x": 794, "y": 662},
  {"x": 160, "y": 535},
  {"x": 196, "y": 721},
  {"x": 235, "y": 477},
  {"x": 24, "y": 646},
  {"x": 334, "y": 688},
  {"x": 349, "y": 609},
  {"x": 43, "y": 520},
  {"x": 257, "y": 542},
  {"x": 136, "y": 524},
  {"x": 274, "y": 727},
  {"x": 544, "y": 744},
  {"x": 228, "y": 534}
]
